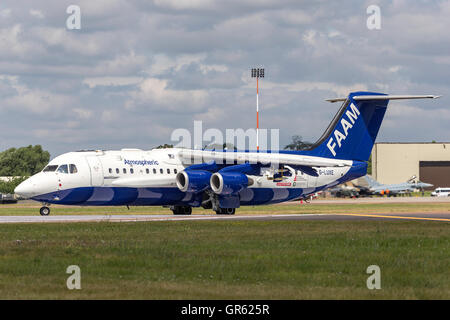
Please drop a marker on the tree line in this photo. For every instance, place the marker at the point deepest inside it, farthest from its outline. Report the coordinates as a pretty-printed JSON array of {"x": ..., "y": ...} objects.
[{"x": 21, "y": 163}]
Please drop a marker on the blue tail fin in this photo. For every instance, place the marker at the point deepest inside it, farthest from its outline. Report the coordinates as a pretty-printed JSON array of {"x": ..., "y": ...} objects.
[{"x": 352, "y": 132}]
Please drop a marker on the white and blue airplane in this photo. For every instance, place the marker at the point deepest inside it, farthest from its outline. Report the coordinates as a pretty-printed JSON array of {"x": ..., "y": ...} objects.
[{"x": 219, "y": 180}]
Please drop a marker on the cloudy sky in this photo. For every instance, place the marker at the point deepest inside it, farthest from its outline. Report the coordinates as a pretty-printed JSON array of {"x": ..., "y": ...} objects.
[{"x": 138, "y": 69}]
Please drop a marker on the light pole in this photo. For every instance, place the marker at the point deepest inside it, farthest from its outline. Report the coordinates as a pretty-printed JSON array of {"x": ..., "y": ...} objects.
[{"x": 257, "y": 73}]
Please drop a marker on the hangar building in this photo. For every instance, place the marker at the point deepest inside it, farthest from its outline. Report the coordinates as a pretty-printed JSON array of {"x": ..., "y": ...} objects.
[{"x": 397, "y": 162}]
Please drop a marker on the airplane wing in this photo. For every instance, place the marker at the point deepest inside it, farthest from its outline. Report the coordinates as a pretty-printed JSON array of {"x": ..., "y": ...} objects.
[
  {"x": 202, "y": 156},
  {"x": 145, "y": 182}
]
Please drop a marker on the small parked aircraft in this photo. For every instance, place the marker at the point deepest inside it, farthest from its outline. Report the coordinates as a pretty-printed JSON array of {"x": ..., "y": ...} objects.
[{"x": 397, "y": 188}]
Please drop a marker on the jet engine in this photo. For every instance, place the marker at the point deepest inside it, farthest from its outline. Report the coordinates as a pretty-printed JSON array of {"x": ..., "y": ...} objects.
[
  {"x": 193, "y": 180},
  {"x": 227, "y": 183}
]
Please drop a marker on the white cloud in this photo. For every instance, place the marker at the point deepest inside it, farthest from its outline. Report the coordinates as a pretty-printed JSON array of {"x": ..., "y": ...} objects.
[
  {"x": 154, "y": 92},
  {"x": 102, "y": 7},
  {"x": 394, "y": 69},
  {"x": 5, "y": 13},
  {"x": 36, "y": 13},
  {"x": 37, "y": 101},
  {"x": 122, "y": 64},
  {"x": 185, "y": 4},
  {"x": 13, "y": 43},
  {"x": 111, "y": 81},
  {"x": 108, "y": 116},
  {"x": 295, "y": 17},
  {"x": 205, "y": 68},
  {"x": 163, "y": 63},
  {"x": 83, "y": 113},
  {"x": 74, "y": 42}
]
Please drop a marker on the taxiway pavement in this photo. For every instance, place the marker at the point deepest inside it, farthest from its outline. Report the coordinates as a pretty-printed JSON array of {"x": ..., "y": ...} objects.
[{"x": 439, "y": 216}]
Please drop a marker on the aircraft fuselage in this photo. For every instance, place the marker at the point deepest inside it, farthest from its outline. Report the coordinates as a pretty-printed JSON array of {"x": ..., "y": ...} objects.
[{"x": 96, "y": 178}]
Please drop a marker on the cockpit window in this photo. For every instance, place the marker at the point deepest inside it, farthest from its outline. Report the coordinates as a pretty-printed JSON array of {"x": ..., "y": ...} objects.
[
  {"x": 63, "y": 168},
  {"x": 73, "y": 168},
  {"x": 51, "y": 168}
]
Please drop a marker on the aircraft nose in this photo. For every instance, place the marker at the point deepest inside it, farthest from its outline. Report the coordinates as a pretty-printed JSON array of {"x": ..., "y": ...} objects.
[{"x": 25, "y": 189}]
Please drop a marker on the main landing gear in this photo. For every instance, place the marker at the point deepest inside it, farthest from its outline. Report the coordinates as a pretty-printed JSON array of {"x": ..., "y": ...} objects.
[
  {"x": 229, "y": 211},
  {"x": 44, "y": 211},
  {"x": 211, "y": 201},
  {"x": 185, "y": 210}
]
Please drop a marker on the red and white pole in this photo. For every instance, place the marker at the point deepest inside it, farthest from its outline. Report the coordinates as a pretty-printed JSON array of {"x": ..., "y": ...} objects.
[
  {"x": 257, "y": 116},
  {"x": 257, "y": 73}
]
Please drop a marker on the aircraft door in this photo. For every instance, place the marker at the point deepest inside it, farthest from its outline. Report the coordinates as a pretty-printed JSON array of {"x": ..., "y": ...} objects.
[{"x": 96, "y": 170}]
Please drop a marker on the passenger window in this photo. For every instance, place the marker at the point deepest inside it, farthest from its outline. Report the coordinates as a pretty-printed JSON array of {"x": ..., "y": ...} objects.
[
  {"x": 154, "y": 171},
  {"x": 73, "y": 168},
  {"x": 124, "y": 170},
  {"x": 63, "y": 169},
  {"x": 147, "y": 171},
  {"x": 131, "y": 170},
  {"x": 168, "y": 170},
  {"x": 110, "y": 170},
  {"x": 161, "y": 170},
  {"x": 175, "y": 171},
  {"x": 117, "y": 170}
]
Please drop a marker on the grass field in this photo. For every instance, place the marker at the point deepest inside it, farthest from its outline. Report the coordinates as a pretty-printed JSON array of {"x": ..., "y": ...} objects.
[{"x": 226, "y": 260}]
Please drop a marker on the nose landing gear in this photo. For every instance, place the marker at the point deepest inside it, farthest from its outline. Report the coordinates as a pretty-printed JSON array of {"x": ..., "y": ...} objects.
[{"x": 44, "y": 211}]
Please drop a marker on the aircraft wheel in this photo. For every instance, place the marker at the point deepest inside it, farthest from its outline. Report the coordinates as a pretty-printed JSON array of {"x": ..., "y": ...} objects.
[
  {"x": 229, "y": 211},
  {"x": 184, "y": 210},
  {"x": 187, "y": 210},
  {"x": 44, "y": 211}
]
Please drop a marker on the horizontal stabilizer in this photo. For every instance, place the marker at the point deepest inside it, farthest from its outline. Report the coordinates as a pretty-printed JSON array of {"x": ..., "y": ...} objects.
[{"x": 385, "y": 97}]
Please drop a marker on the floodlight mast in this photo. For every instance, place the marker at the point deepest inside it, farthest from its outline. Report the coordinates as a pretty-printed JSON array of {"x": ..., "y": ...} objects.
[{"x": 257, "y": 73}]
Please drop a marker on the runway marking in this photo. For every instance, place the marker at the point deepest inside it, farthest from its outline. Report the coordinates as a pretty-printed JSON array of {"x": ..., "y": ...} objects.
[{"x": 391, "y": 217}]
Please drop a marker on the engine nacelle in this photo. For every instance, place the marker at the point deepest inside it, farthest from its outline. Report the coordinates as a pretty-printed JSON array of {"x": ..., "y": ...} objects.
[
  {"x": 227, "y": 183},
  {"x": 193, "y": 180}
]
